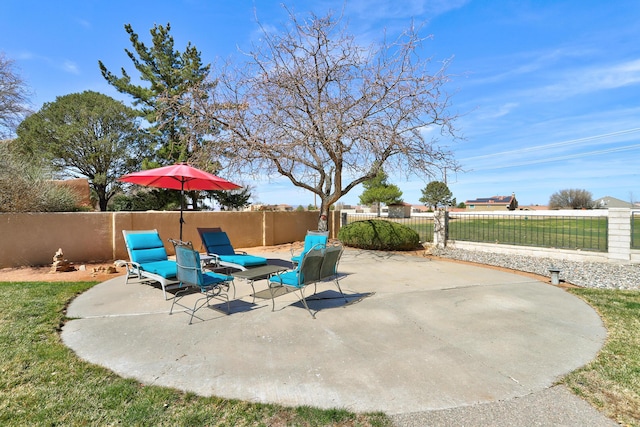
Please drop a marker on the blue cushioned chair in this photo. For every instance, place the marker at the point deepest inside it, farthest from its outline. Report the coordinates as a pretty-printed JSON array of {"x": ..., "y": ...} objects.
[
  {"x": 218, "y": 245},
  {"x": 312, "y": 239},
  {"x": 320, "y": 263},
  {"x": 148, "y": 259},
  {"x": 190, "y": 274}
]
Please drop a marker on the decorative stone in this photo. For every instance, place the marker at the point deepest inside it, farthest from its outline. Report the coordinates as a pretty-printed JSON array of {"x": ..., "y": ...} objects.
[
  {"x": 105, "y": 270},
  {"x": 60, "y": 264}
]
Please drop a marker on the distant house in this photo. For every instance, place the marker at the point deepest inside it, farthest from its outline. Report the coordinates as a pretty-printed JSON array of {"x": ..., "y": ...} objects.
[
  {"x": 421, "y": 209},
  {"x": 399, "y": 210},
  {"x": 533, "y": 208},
  {"x": 493, "y": 203},
  {"x": 277, "y": 208},
  {"x": 611, "y": 202}
]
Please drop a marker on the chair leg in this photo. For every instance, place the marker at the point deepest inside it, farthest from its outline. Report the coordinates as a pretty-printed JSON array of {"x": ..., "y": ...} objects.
[
  {"x": 233, "y": 284},
  {"x": 340, "y": 289},
  {"x": 196, "y": 308},
  {"x": 177, "y": 297},
  {"x": 304, "y": 302},
  {"x": 273, "y": 298},
  {"x": 215, "y": 293}
]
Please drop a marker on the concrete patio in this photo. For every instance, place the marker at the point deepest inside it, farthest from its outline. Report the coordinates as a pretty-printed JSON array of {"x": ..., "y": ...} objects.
[{"x": 419, "y": 339}]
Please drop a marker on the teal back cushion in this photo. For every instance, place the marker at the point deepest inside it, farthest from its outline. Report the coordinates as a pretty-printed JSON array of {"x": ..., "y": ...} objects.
[
  {"x": 146, "y": 247},
  {"x": 218, "y": 243}
]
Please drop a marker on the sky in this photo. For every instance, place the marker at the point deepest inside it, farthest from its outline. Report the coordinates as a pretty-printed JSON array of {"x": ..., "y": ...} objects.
[{"x": 547, "y": 92}]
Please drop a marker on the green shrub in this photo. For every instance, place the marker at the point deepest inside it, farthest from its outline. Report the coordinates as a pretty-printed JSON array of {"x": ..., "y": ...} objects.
[
  {"x": 26, "y": 187},
  {"x": 377, "y": 234}
]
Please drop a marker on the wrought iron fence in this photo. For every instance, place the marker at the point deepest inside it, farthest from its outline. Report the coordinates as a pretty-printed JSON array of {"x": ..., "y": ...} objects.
[
  {"x": 423, "y": 225},
  {"x": 563, "y": 232},
  {"x": 635, "y": 229}
]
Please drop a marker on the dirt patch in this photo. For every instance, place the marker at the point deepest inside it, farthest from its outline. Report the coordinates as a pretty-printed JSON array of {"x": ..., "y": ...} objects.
[
  {"x": 93, "y": 271},
  {"x": 83, "y": 272},
  {"x": 96, "y": 271}
]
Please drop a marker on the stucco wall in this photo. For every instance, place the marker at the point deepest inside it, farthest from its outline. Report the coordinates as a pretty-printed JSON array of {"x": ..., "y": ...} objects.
[{"x": 34, "y": 238}]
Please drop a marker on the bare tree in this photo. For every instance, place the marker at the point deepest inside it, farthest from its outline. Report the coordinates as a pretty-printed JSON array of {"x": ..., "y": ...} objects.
[
  {"x": 14, "y": 98},
  {"x": 573, "y": 198},
  {"x": 314, "y": 106}
]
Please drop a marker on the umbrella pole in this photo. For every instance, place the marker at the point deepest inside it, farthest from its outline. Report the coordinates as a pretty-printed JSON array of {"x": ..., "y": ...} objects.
[{"x": 181, "y": 209}]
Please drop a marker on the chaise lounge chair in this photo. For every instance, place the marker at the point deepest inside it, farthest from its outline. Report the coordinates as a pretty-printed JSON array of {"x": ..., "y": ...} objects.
[
  {"x": 148, "y": 260},
  {"x": 218, "y": 245}
]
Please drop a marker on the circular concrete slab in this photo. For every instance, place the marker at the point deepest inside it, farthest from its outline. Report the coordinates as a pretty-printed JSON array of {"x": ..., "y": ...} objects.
[{"x": 415, "y": 335}]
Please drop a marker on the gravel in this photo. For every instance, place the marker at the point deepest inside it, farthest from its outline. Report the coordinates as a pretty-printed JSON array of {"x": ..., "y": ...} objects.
[{"x": 600, "y": 275}]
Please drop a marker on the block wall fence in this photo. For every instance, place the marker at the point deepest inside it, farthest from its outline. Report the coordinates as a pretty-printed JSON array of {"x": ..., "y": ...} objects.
[{"x": 31, "y": 239}]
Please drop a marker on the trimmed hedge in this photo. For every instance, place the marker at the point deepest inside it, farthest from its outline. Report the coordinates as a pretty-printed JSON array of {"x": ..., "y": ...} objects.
[{"x": 378, "y": 234}]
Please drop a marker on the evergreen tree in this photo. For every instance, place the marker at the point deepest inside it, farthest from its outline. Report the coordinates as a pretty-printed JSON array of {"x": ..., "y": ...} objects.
[
  {"x": 165, "y": 102},
  {"x": 437, "y": 193},
  {"x": 378, "y": 191},
  {"x": 233, "y": 199}
]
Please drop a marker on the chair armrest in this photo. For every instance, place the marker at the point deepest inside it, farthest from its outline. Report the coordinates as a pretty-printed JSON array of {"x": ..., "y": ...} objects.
[
  {"x": 131, "y": 266},
  {"x": 215, "y": 260}
]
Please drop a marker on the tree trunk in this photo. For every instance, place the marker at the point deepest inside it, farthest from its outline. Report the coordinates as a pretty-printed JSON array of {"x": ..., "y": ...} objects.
[
  {"x": 322, "y": 221},
  {"x": 101, "y": 192}
]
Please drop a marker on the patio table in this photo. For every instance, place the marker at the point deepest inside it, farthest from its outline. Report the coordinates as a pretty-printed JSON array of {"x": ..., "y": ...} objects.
[{"x": 258, "y": 273}]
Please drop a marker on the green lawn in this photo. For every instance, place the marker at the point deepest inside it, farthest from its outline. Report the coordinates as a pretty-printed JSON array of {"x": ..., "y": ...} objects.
[
  {"x": 635, "y": 231},
  {"x": 566, "y": 232},
  {"x": 611, "y": 382},
  {"x": 44, "y": 383},
  {"x": 586, "y": 233}
]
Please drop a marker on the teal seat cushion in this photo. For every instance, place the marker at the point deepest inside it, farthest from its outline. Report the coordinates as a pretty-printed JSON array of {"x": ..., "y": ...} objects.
[
  {"x": 210, "y": 279},
  {"x": 244, "y": 260},
  {"x": 167, "y": 269},
  {"x": 289, "y": 278}
]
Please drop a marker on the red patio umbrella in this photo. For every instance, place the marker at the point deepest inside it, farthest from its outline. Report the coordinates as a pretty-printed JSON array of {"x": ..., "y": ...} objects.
[{"x": 181, "y": 177}]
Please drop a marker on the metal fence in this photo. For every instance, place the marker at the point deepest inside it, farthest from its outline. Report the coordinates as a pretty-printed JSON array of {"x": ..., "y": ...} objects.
[
  {"x": 552, "y": 231},
  {"x": 423, "y": 225},
  {"x": 635, "y": 229}
]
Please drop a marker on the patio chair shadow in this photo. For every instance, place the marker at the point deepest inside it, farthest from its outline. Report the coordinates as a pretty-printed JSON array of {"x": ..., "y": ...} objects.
[
  {"x": 277, "y": 291},
  {"x": 235, "y": 307},
  {"x": 332, "y": 299}
]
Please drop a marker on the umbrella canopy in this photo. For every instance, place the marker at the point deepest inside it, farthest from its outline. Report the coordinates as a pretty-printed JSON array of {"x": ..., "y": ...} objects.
[{"x": 181, "y": 177}]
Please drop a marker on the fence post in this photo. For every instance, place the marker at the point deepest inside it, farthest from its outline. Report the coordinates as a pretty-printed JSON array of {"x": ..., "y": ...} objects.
[
  {"x": 619, "y": 234},
  {"x": 440, "y": 228}
]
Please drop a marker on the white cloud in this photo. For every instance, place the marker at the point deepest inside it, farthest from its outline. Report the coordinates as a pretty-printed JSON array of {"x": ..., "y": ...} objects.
[
  {"x": 70, "y": 67},
  {"x": 84, "y": 23},
  {"x": 585, "y": 80}
]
